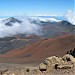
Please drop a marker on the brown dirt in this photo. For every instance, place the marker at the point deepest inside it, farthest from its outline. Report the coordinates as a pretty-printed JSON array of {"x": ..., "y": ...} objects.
[{"x": 38, "y": 51}]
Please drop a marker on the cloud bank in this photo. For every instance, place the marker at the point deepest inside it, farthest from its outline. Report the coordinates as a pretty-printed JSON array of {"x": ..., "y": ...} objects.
[
  {"x": 46, "y": 19},
  {"x": 70, "y": 17},
  {"x": 24, "y": 28}
]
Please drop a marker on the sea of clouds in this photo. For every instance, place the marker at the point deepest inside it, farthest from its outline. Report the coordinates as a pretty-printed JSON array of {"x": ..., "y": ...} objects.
[{"x": 28, "y": 28}]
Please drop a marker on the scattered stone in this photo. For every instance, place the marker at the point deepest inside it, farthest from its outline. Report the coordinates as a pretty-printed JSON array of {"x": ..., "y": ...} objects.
[
  {"x": 50, "y": 64},
  {"x": 3, "y": 71}
]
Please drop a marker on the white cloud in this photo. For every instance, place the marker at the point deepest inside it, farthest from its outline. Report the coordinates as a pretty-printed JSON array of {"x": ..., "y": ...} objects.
[
  {"x": 45, "y": 19},
  {"x": 25, "y": 28},
  {"x": 69, "y": 16}
]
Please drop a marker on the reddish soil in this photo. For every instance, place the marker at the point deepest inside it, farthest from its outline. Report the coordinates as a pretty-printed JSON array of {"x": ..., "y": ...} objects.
[{"x": 40, "y": 50}]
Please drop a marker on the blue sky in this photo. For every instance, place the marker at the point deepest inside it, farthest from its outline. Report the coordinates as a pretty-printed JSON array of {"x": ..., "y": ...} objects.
[{"x": 35, "y": 7}]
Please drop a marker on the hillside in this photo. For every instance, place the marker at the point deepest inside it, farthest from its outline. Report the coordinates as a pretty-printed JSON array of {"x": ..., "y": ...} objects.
[
  {"x": 11, "y": 38},
  {"x": 40, "y": 50}
]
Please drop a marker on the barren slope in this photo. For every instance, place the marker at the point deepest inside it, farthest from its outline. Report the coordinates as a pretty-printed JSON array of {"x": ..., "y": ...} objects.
[{"x": 40, "y": 50}]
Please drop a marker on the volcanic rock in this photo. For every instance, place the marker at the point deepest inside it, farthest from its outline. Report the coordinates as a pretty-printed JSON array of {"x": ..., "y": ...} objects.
[{"x": 68, "y": 57}]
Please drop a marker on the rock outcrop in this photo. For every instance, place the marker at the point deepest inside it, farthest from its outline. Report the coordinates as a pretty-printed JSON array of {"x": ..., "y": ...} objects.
[
  {"x": 68, "y": 58},
  {"x": 53, "y": 65},
  {"x": 54, "y": 62},
  {"x": 71, "y": 52}
]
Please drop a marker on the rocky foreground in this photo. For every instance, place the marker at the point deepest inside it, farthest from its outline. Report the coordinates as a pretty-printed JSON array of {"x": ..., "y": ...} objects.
[{"x": 53, "y": 65}]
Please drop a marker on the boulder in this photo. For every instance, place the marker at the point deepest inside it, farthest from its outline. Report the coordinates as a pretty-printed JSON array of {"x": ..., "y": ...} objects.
[
  {"x": 42, "y": 67},
  {"x": 71, "y": 52},
  {"x": 68, "y": 58},
  {"x": 53, "y": 60}
]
